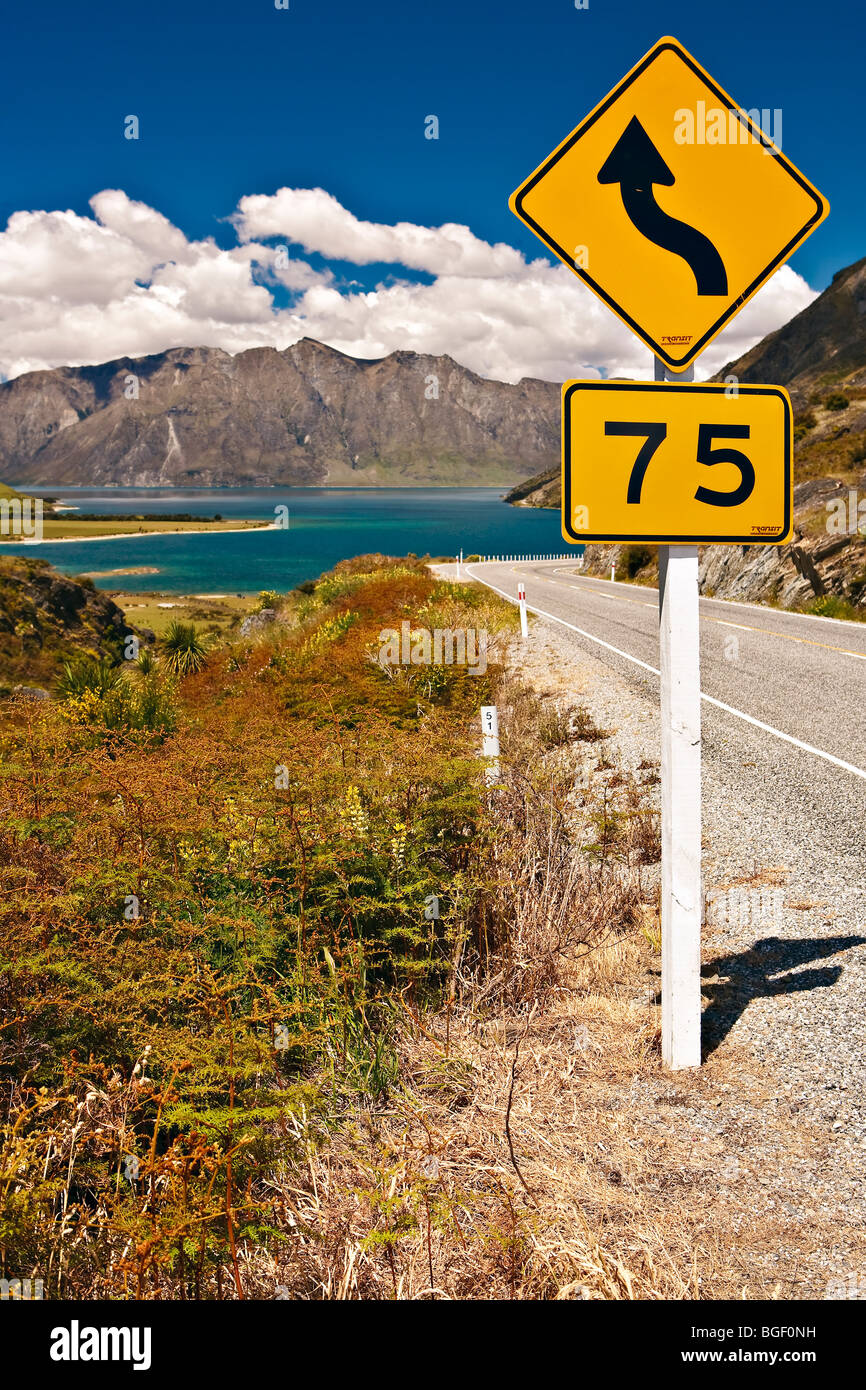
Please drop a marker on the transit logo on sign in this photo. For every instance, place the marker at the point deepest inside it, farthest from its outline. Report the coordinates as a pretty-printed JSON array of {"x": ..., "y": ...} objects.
[
  {"x": 676, "y": 462},
  {"x": 670, "y": 203}
]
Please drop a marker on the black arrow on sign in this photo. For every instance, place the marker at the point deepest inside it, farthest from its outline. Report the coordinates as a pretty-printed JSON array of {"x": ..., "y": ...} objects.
[{"x": 635, "y": 164}]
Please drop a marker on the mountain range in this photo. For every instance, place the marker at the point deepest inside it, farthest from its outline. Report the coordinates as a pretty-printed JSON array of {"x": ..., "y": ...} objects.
[
  {"x": 307, "y": 416},
  {"x": 313, "y": 416}
]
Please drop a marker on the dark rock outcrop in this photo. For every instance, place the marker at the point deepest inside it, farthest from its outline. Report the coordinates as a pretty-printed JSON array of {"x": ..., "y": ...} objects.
[{"x": 47, "y": 618}]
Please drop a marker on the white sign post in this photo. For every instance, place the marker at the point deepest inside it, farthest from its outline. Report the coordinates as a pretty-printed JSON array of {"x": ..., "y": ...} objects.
[
  {"x": 679, "y": 644},
  {"x": 681, "y": 805}
]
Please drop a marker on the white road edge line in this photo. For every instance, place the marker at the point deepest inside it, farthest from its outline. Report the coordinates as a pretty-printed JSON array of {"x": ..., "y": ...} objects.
[{"x": 719, "y": 704}]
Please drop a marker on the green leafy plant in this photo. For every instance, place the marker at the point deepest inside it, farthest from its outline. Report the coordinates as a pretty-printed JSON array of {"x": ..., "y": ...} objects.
[
  {"x": 832, "y": 606},
  {"x": 184, "y": 650},
  {"x": 88, "y": 676},
  {"x": 146, "y": 663}
]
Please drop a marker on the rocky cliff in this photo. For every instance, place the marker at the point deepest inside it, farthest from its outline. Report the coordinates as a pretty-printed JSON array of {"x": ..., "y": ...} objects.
[
  {"x": 306, "y": 416},
  {"x": 823, "y": 569}
]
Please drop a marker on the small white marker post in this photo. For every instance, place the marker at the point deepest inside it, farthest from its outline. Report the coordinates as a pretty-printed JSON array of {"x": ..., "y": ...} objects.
[
  {"x": 490, "y": 749},
  {"x": 521, "y": 603},
  {"x": 612, "y": 571},
  {"x": 679, "y": 645},
  {"x": 459, "y": 563}
]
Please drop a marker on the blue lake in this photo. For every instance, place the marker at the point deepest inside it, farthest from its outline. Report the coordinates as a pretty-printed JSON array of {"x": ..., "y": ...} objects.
[{"x": 325, "y": 525}]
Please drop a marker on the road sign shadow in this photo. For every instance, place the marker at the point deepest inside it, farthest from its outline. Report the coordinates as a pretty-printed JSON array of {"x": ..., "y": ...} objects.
[{"x": 761, "y": 972}]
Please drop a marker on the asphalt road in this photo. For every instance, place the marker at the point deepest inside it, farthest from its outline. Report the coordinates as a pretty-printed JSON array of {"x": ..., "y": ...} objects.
[{"x": 803, "y": 677}]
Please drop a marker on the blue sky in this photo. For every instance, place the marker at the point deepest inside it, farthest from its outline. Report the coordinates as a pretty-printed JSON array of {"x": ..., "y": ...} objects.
[{"x": 242, "y": 99}]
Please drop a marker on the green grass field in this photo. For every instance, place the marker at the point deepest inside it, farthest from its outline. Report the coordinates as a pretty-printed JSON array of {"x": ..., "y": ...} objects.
[{"x": 211, "y": 615}]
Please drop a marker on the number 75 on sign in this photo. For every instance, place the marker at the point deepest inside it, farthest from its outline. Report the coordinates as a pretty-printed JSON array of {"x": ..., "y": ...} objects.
[{"x": 676, "y": 463}]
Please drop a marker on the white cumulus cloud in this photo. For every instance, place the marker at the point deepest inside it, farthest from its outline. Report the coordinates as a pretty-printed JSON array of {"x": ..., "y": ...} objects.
[
  {"x": 316, "y": 221},
  {"x": 126, "y": 282}
]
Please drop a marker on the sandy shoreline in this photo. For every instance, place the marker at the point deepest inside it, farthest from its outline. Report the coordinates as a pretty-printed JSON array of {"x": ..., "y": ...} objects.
[{"x": 138, "y": 535}]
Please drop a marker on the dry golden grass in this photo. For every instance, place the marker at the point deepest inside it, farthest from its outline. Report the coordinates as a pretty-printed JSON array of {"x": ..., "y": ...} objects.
[
  {"x": 533, "y": 1146},
  {"x": 545, "y": 1154}
]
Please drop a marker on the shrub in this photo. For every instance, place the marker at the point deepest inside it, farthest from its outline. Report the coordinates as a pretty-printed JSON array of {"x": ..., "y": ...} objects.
[
  {"x": 88, "y": 676},
  {"x": 832, "y": 606},
  {"x": 146, "y": 663},
  {"x": 554, "y": 726},
  {"x": 331, "y": 630},
  {"x": 184, "y": 650},
  {"x": 122, "y": 711},
  {"x": 803, "y": 423},
  {"x": 836, "y": 401},
  {"x": 585, "y": 728}
]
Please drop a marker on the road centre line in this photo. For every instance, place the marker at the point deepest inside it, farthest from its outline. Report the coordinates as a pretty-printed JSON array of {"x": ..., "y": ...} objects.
[{"x": 708, "y": 618}]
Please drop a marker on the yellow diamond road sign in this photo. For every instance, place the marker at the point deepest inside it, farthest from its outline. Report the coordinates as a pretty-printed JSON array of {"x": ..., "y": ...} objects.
[
  {"x": 675, "y": 462},
  {"x": 670, "y": 203}
]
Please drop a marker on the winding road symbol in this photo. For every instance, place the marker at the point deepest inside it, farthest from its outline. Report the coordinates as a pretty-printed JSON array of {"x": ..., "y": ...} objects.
[
  {"x": 635, "y": 164},
  {"x": 674, "y": 263}
]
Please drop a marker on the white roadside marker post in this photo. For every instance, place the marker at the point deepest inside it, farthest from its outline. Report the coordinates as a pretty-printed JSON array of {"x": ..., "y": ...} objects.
[
  {"x": 459, "y": 564},
  {"x": 612, "y": 571},
  {"x": 490, "y": 749},
  {"x": 679, "y": 648},
  {"x": 521, "y": 602}
]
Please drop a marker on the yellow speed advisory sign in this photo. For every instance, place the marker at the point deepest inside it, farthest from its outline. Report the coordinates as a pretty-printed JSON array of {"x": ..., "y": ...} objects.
[
  {"x": 671, "y": 203},
  {"x": 676, "y": 462}
]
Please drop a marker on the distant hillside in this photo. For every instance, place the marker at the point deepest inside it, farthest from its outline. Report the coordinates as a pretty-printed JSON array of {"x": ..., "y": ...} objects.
[
  {"x": 820, "y": 357},
  {"x": 47, "y": 618},
  {"x": 824, "y": 346},
  {"x": 305, "y": 416}
]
